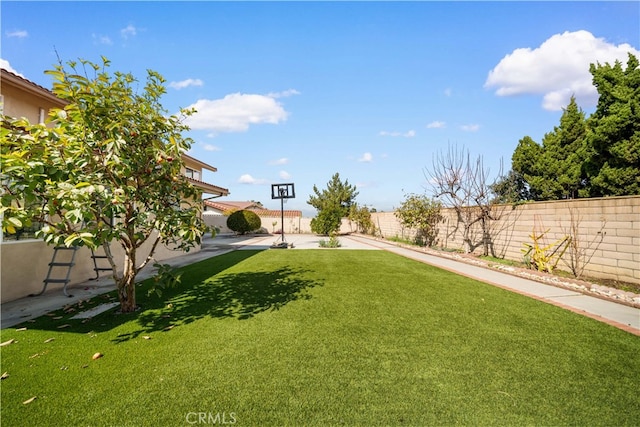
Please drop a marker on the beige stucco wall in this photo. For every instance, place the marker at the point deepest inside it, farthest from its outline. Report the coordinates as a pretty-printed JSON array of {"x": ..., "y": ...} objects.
[
  {"x": 18, "y": 104},
  {"x": 297, "y": 225},
  {"x": 615, "y": 253},
  {"x": 291, "y": 225},
  {"x": 24, "y": 266}
]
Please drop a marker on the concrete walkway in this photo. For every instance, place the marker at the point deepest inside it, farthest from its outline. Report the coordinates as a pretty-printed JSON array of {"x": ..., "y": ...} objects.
[{"x": 618, "y": 315}]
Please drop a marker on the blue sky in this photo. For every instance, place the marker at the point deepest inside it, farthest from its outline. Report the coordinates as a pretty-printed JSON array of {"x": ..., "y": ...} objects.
[{"x": 297, "y": 91}]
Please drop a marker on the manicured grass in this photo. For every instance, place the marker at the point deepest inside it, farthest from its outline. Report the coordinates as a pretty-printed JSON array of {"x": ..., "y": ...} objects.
[{"x": 320, "y": 337}]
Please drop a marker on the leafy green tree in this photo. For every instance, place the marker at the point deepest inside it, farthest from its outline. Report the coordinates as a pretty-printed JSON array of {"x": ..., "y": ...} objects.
[
  {"x": 421, "y": 213},
  {"x": 510, "y": 189},
  {"x": 243, "y": 221},
  {"x": 108, "y": 168},
  {"x": 361, "y": 215},
  {"x": 327, "y": 222},
  {"x": 332, "y": 204},
  {"x": 613, "y": 166}
]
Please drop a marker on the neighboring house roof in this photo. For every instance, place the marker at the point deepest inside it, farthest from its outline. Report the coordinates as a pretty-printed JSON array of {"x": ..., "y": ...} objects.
[
  {"x": 28, "y": 86},
  {"x": 224, "y": 206},
  {"x": 209, "y": 188},
  {"x": 200, "y": 163},
  {"x": 277, "y": 214}
]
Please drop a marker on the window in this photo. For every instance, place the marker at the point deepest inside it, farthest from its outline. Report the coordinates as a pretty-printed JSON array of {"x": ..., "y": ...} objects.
[
  {"x": 191, "y": 173},
  {"x": 23, "y": 233}
]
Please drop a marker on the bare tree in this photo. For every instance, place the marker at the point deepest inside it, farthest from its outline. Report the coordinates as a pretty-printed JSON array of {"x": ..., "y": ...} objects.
[
  {"x": 581, "y": 251},
  {"x": 465, "y": 186}
]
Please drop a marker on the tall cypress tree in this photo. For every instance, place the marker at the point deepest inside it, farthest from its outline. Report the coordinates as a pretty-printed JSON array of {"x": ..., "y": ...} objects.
[
  {"x": 613, "y": 166},
  {"x": 554, "y": 170},
  {"x": 524, "y": 165},
  {"x": 563, "y": 154}
]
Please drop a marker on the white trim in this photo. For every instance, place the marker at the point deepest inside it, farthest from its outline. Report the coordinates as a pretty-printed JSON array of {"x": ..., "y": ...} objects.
[{"x": 14, "y": 242}]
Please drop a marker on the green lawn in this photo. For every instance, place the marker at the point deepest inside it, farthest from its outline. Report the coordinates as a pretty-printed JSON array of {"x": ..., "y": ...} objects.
[{"x": 322, "y": 337}]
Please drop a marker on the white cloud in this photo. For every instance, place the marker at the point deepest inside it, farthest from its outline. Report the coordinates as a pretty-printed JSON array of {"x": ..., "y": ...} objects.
[
  {"x": 281, "y": 161},
  {"x": 21, "y": 34},
  {"x": 5, "y": 64},
  {"x": 558, "y": 68},
  {"x": 408, "y": 134},
  {"x": 235, "y": 112},
  {"x": 366, "y": 158},
  {"x": 248, "y": 179},
  {"x": 128, "y": 31},
  {"x": 186, "y": 83},
  {"x": 284, "y": 175},
  {"x": 284, "y": 94},
  {"x": 448, "y": 92},
  {"x": 436, "y": 125},
  {"x": 210, "y": 147},
  {"x": 470, "y": 128},
  {"x": 100, "y": 39}
]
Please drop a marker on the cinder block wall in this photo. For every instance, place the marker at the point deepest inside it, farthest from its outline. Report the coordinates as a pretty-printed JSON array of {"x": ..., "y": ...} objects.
[{"x": 608, "y": 230}]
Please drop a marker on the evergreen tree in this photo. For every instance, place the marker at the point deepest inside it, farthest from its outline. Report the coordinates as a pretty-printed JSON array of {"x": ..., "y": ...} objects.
[
  {"x": 332, "y": 203},
  {"x": 572, "y": 151},
  {"x": 524, "y": 165},
  {"x": 511, "y": 188},
  {"x": 553, "y": 170},
  {"x": 559, "y": 165},
  {"x": 613, "y": 166}
]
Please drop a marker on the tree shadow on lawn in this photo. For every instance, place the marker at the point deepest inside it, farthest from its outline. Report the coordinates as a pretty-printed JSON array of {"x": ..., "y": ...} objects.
[
  {"x": 206, "y": 290},
  {"x": 233, "y": 295}
]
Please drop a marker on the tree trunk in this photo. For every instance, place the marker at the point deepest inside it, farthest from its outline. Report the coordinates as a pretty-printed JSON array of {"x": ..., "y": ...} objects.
[
  {"x": 127, "y": 285},
  {"x": 485, "y": 237},
  {"x": 466, "y": 239}
]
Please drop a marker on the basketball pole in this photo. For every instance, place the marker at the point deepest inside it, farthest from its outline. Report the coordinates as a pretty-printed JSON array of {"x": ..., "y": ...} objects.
[{"x": 282, "y": 215}]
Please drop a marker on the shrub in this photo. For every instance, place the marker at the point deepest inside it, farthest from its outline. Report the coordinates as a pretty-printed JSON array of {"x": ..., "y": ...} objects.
[
  {"x": 333, "y": 242},
  {"x": 243, "y": 221},
  {"x": 326, "y": 222},
  {"x": 361, "y": 215},
  {"x": 421, "y": 213}
]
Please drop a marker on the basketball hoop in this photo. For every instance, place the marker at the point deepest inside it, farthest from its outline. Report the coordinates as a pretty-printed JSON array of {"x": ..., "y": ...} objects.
[{"x": 282, "y": 192}]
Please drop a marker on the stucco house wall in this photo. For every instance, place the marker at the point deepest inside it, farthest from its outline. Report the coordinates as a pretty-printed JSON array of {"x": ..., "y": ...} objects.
[
  {"x": 22, "y": 98},
  {"x": 24, "y": 266}
]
